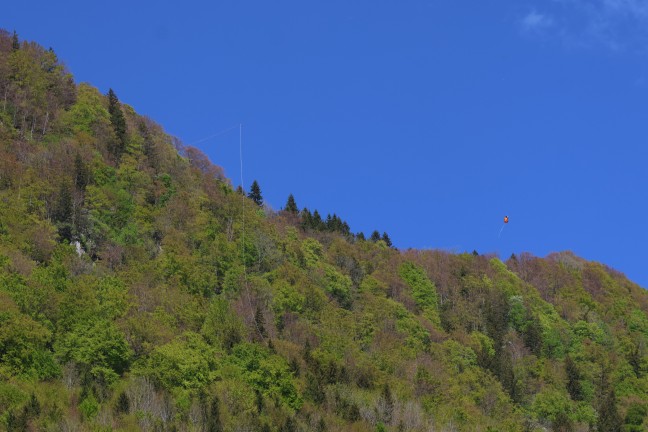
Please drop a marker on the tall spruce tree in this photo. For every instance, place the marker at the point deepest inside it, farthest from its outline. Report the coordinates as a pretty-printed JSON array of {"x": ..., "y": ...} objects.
[
  {"x": 386, "y": 239},
  {"x": 118, "y": 123},
  {"x": 291, "y": 205},
  {"x": 609, "y": 419},
  {"x": 15, "y": 42},
  {"x": 375, "y": 236},
  {"x": 255, "y": 194}
]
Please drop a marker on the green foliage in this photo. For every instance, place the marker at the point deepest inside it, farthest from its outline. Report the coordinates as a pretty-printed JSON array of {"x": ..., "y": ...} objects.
[
  {"x": 168, "y": 314},
  {"x": 266, "y": 373},
  {"x": 423, "y": 291},
  {"x": 187, "y": 362},
  {"x": 339, "y": 285},
  {"x": 97, "y": 347}
]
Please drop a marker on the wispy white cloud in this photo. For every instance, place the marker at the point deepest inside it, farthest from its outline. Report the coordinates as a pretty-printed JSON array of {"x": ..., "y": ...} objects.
[
  {"x": 615, "y": 24},
  {"x": 535, "y": 21}
]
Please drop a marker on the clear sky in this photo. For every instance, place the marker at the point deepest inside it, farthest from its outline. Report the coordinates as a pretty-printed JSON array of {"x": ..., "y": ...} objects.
[{"x": 429, "y": 120}]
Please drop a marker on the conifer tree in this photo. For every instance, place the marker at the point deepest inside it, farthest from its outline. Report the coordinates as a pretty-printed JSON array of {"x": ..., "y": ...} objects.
[
  {"x": 609, "y": 419},
  {"x": 306, "y": 219},
  {"x": 259, "y": 321},
  {"x": 375, "y": 236},
  {"x": 63, "y": 212},
  {"x": 318, "y": 223},
  {"x": 15, "y": 42},
  {"x": 81, "y": 174},
  {"x": 573, "y": 380},
  {"x": 255, "y": 194},
  {"x": 361, "y": 236},
  {"x": 386, "y": 239},
  {"x": 291, "y": 205},
  {"x": 118, "y": 123},
  {"x": 214, "y": 423}
]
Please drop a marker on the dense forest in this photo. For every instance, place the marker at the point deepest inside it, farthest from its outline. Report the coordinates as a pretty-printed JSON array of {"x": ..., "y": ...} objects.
[{"x": 140, "y": 291}]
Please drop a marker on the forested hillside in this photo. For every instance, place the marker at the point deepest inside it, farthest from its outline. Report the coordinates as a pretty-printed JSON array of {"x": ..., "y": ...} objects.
[{"x": 140, "y": 291}]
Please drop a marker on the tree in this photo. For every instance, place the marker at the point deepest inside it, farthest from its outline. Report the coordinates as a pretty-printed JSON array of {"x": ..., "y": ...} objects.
[
  {"x": 609, "y": 419},
  {"x": 360, "y": 236},
  {"x": 375, "y": 236},
  {"x": 573, "y": 380},
  {"x": 15, "y": 42},
  {"x": 118, "y": 123},
  {"x": 318, "y": 223},
  {"x": 63, "y": 213},
  {"x": 255, "y": 194},
  {"x": 259, "y": 322},
  {"x": 213, "y": 416},
  {"x": 81, "y": 174},
  {"x": 387, "y": 240},
  {"x": 291, "y": 205}
]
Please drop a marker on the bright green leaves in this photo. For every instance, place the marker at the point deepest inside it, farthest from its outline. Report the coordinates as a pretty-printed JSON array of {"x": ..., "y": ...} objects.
[
  {"x": 23, "y": 343},
  {"x": 88, "y": 114},
  {"x": 423, "y": 291},
  {"x": 97, "y": 348},
  {"x": 187, "y": 362},
  {"x": 266, "y": 373}
]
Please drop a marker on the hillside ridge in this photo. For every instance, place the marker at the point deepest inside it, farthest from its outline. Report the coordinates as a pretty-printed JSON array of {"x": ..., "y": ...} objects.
[{"x": 140, "y": 291}]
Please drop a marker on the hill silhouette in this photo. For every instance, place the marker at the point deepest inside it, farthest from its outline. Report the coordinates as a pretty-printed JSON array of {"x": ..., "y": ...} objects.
[{"x": 140, "y": 291}]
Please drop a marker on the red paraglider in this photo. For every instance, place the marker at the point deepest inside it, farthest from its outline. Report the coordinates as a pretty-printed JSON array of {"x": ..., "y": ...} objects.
[{"x": 505, "y": 219}]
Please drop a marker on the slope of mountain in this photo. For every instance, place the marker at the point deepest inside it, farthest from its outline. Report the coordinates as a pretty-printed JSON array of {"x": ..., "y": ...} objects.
[{"x": 139, "y": 291}]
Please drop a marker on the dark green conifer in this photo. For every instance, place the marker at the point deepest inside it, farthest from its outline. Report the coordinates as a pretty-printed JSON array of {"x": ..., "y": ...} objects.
[
  {"x": 15, "y": 42},
  {"x": 118, "y": 123},
  {"x": 360, "y": 236},
  {"x": 573, "y": 380},
  {"x": 214, "y": 423},
  {"x": 255, "y": 193},
  {"x": 386, "y": 239},
  {"x": 123, "y": 404},
  {"x": 81, "y": 173},
  {"x": 318, "y": 223},
  {"x": 291, "y": 205},
  {"x": 609, "y": 419},
  {"x": 375, "y": 236},
  {"x": 259, "y": 321}
]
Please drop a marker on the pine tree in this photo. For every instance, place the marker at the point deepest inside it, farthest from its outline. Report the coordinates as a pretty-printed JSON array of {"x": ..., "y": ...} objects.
[
  {"x": 255, "y": 194},
  {"x": 63, "y": 211},
  {"x": 81, "y": 174},
  {"x": 118, "y": 123},
  {"x": 360, "y": 236},
  {"x": 291, "y": 205},
  {"x": 318, "y": 223},
  {"x": 386, "y": 239},
  {"x": 306, "y": 219},
  {"x": 214, "y": 423},
  {"x": 375, "y": 236},
  {"x": 573, "y": 380},
  {"x": 259, "y": 321},
  {"x": 609, "y": 419},
  {"x": 123, "y": 404},
  {"x": 15, "y": 42}
]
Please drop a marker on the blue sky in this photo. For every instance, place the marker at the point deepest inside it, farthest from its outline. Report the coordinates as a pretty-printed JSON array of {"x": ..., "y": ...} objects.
[{"x": 428, "y": 120}]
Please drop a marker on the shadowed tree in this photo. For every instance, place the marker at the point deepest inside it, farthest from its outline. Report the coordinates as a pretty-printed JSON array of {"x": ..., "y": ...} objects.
[
  {"x": 375, "y": 236},
  {"x": 609, "y": 419},
  {"x": 255, "y": 194},
  {"x": 118, "y": 123},
  {"x": 386, "y": 239},
  {"x": 15, "y": 42},
  {"x": 291, "y": 205},
  {"x": 573, "y": 379}
]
